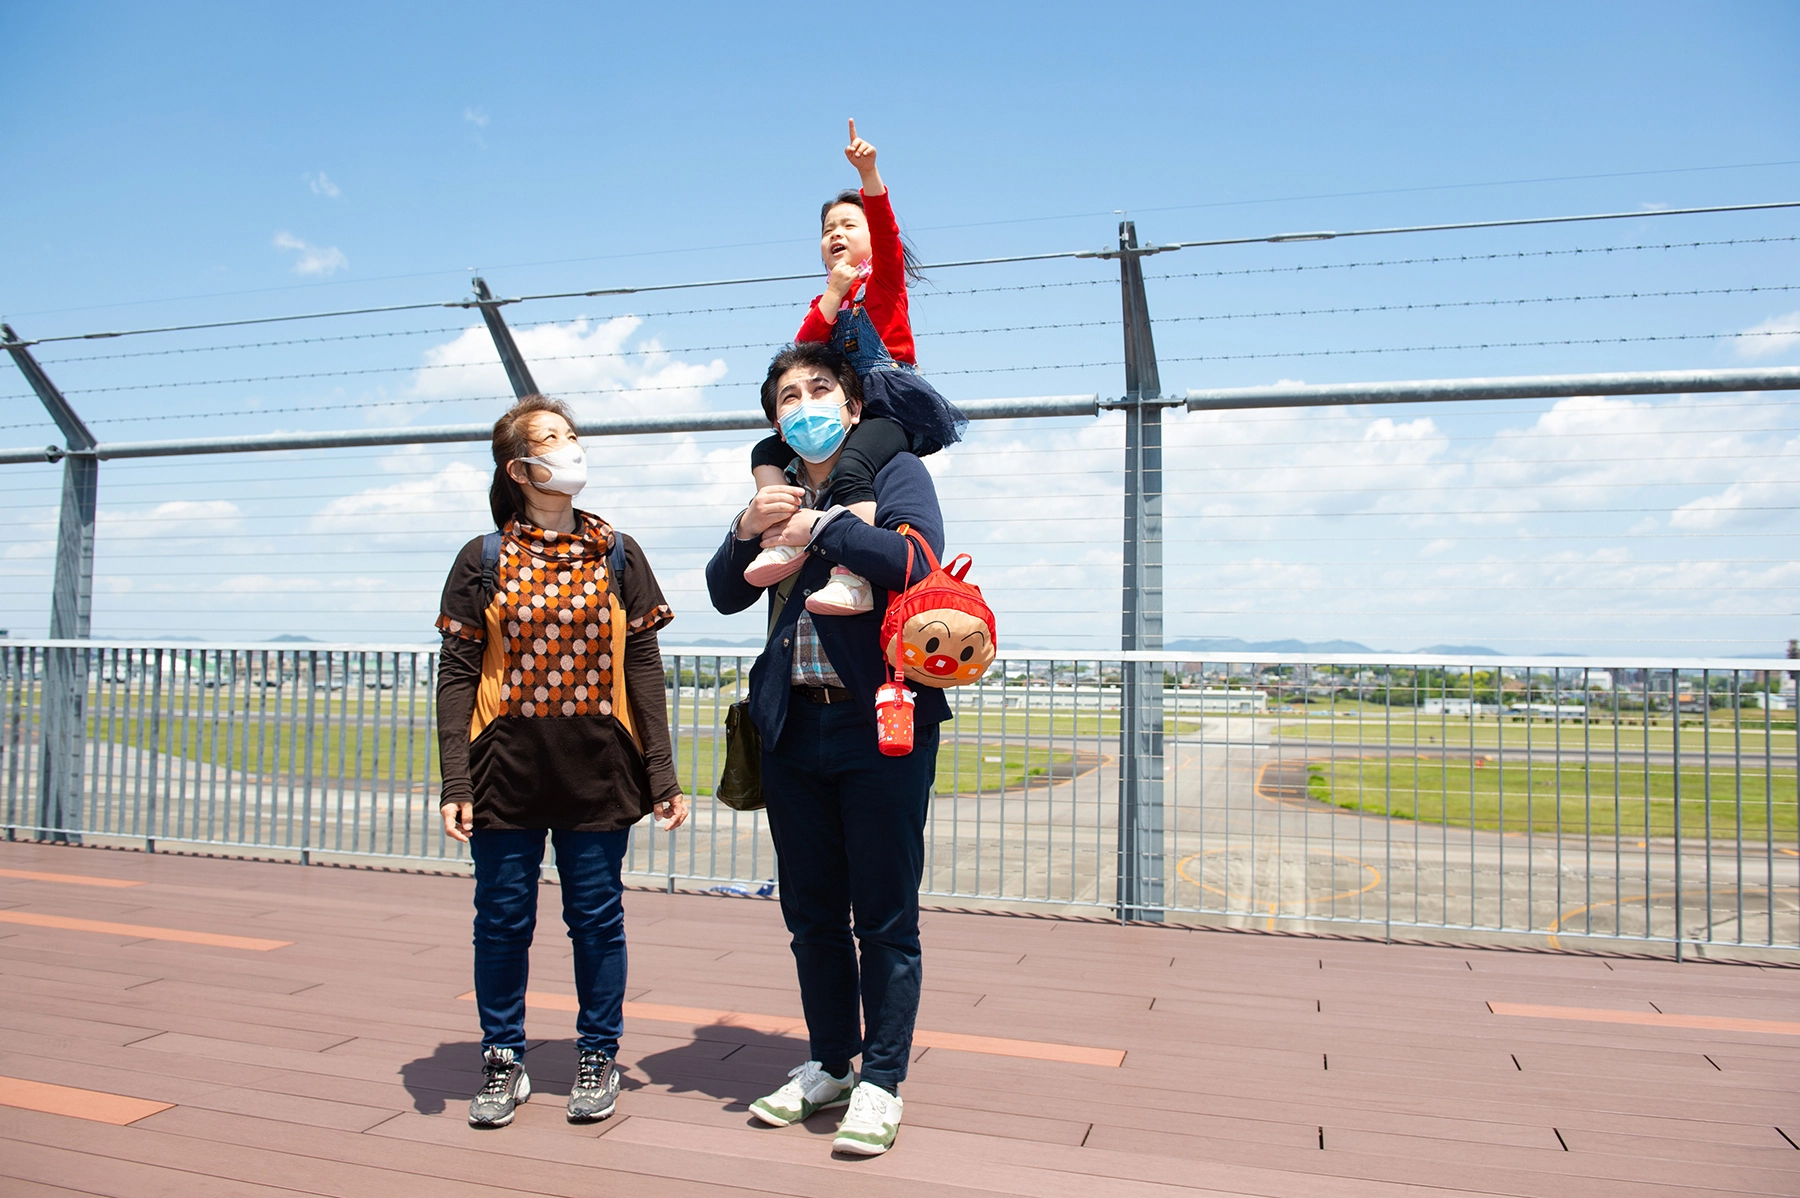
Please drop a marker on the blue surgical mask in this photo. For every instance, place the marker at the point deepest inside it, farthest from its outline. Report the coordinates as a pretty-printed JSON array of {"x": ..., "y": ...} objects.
[{"x": 814, "y": 430}]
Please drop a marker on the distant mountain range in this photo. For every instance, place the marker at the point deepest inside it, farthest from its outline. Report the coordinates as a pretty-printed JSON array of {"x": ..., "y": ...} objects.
[{"x": 1237, "y": 646}]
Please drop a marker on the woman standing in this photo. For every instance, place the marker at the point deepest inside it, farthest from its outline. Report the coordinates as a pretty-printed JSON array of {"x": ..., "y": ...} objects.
[
  {"x": 848, "y": 822},
  {"x": 550, "y": 718}
]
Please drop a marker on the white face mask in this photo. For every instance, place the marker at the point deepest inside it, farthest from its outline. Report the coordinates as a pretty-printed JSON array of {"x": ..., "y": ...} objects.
[{"x": 567, "y": 467}]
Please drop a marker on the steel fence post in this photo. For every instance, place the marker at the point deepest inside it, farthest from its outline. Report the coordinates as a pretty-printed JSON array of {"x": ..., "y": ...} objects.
[
  {"x": 71, "y": 601},
  {"x": 1675, "y": 726},
  {"x": 306, "y": 773},
  {"x": 517, "y": 373},
  {"x": 1141, "y": 603}
]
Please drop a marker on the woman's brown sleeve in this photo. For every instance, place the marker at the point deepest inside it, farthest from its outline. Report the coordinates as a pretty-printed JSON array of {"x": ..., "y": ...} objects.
[{"x": 459, "y": 676}]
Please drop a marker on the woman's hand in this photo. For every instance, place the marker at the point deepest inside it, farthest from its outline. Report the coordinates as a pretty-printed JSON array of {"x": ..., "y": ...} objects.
[
  {"x": 671, "y": 813},
  {"x": 796, "y": 530},
  {"x": 459, "y": 820},
  {"x": 772, "y": 506},
  {"x": 861, "y": 155}
]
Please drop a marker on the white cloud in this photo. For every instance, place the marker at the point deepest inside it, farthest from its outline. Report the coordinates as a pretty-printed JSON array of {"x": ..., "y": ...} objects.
[
  {"x": 453, "y": 497},
  {"x": 596, "y": 367},
  {"x": 1776, "y": 335},
  {"x": 476, "y": 117},
  {"x": 322, "y": 185},
  {"x": 313, "y": 260},
  {"x": 178, "y": 518}
]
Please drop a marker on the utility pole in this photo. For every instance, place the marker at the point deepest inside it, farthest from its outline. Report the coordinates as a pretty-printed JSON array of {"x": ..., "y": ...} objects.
[
  {"x": 71, "y": 608},
  {"x": 517, "y": 373},
  {"x": 1141, "y": 865}
]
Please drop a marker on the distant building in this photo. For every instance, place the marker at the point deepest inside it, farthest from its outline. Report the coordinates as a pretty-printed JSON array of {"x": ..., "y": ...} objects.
[
  {"x": 1549, "y": 711},
  {"x": 1221, "y": 701},
  {"x": 1462, "y": 707}
]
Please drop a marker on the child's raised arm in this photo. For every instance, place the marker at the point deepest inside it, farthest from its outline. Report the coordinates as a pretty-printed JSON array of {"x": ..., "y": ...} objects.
[{"x": 862, "y": 156}]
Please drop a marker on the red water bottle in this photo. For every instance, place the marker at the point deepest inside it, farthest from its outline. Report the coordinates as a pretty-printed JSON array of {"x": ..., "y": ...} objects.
[{"x": 894, "y": 719}]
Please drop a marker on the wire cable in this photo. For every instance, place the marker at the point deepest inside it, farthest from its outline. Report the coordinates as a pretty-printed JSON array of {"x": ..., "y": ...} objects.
[
  {"x": 1462, "y": 258},
  {"x": 1422, "y": 349},
  {"x": 1488, "y": 303},
  {"x": 1141, "y": 251}
]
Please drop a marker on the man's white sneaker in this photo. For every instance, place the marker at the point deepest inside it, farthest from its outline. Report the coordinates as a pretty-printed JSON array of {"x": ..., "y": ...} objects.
[
  {"x": 847, "y": 594},
  {"x": 812, "y": 1089},
  {"x": 773, "y": 565},
  {"x": 871, "y": 1123}
]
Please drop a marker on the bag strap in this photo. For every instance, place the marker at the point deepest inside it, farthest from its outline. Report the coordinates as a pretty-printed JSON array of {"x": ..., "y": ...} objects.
[
  {"x": 490, "y": 565},
  {"x": 912, "y": 534},
  {"x": 615, "y": 558},
  {"x": 959, "y": 566}
]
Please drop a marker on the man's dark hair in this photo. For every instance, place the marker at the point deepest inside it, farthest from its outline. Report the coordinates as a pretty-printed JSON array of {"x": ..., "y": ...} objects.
[{"x": 809, "y": 353}]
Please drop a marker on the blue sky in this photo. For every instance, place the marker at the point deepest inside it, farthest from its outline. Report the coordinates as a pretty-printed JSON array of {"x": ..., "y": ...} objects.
[{"x": 197, "y": 162}]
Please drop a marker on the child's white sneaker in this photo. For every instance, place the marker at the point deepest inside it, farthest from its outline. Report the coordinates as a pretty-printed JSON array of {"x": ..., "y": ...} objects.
[
  {"x": 773, "y": 565},
  {"x": 847, "y": 594},
  {"x": 871, "y": 1123}
]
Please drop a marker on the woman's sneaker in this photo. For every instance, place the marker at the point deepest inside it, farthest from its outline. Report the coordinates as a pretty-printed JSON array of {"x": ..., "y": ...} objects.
[
  {"x": 773, "y": 565},
  {"x": 503, "y": 1087},
  {"x": 812, "y": 1089},
  {"x": 871, "y": 1123},
  {"x": 847, "y": 594},
  {"x": 596, "y": 1089}
]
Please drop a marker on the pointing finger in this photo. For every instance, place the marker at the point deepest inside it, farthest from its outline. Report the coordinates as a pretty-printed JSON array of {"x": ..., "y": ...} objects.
[{"x": 852, "y": 130}]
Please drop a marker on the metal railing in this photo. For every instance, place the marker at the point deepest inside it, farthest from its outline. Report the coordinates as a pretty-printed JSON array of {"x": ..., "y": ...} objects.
[{"x": 1652, "y": 802}]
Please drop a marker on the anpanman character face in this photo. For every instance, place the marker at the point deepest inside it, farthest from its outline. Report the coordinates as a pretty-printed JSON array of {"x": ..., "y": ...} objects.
[{"x": 945, "y": 648}]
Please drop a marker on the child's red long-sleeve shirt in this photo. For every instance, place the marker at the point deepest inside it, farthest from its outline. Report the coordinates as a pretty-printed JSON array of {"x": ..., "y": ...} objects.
[{"x": 885, "y": 299}]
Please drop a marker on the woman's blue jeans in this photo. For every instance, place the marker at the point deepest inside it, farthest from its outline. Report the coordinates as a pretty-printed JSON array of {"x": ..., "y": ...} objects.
[
  {"x": 849, "y": 831},
  {"x": 506, "y": 890}
]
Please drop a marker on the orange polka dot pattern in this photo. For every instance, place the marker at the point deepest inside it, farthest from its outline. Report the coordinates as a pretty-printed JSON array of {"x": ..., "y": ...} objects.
[{"x": 556, "y": 621}]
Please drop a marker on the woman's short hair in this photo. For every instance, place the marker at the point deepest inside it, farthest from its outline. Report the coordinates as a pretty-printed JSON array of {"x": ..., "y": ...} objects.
[
  {"x": 817, "y": 354},
  {"x": 512, "y": 440}
]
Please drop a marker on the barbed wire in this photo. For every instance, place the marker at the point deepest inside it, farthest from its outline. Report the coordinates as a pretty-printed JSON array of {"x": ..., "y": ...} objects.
[
  {"x": 203, "y": 349},
  {"x": 717, "y": 309},
  {"x": 1487, "y": 303},
  {"x": 1465, "y": 258},
  {"x": 641, "y": 352},
  {"x": 1420, "y": 349},
  {"x": 351, "y": 405}
]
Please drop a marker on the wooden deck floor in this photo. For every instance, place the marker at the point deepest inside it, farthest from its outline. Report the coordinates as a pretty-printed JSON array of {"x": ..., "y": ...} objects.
[{"x": 198, "y": 1027}]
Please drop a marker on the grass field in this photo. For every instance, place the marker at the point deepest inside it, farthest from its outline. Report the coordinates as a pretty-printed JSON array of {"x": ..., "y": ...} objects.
[
  {"x": 1513, "y": 798},
  {"x": 1403, "y": 728}
]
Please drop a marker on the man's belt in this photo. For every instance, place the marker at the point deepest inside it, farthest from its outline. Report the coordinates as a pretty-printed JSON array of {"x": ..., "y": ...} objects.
[{"x": 823, "y": 694}]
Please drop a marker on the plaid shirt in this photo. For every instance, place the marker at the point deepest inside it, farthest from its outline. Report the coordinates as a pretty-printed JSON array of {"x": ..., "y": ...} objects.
[{"x": 811, "y": 666}]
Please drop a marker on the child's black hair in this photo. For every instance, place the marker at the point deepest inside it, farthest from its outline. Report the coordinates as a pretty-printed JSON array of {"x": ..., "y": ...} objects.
[{"x": 909, "y": 256}]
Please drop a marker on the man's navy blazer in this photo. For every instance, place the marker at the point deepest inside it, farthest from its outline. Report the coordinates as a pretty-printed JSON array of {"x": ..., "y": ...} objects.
[{"x": 904, "y": 494}]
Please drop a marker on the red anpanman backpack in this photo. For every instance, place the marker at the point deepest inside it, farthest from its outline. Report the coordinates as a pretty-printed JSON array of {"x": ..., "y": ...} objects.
[{"x": 939, "y": 631}]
